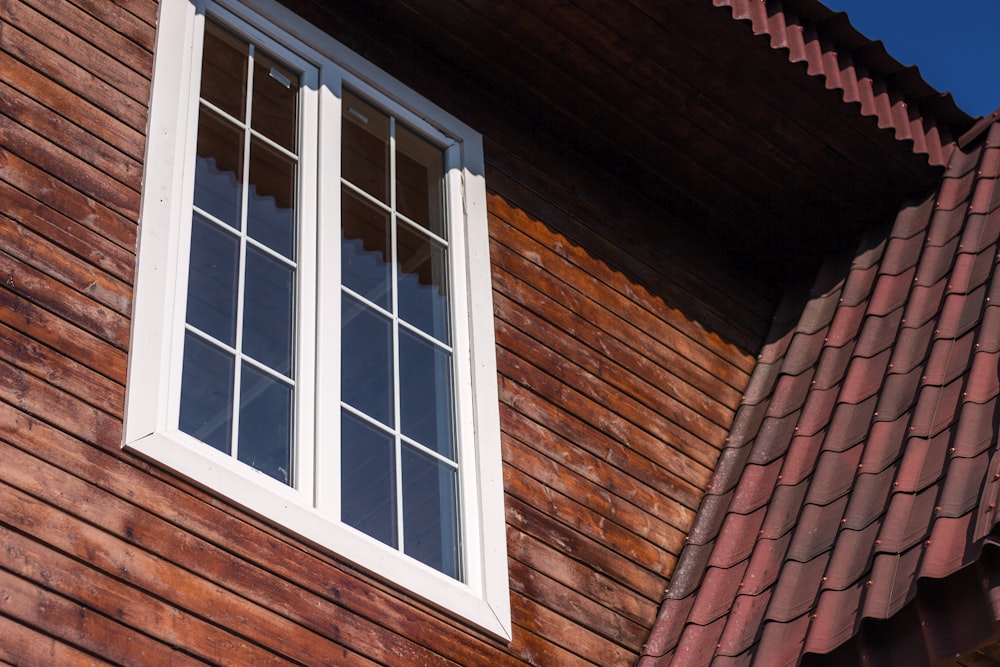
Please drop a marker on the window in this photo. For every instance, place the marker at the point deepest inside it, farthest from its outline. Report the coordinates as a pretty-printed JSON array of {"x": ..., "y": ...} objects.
[{"x": 312, "y": 331}]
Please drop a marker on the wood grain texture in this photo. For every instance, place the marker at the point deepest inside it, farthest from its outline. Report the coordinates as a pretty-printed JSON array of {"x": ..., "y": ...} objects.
[{"x": 623, "y": 350}]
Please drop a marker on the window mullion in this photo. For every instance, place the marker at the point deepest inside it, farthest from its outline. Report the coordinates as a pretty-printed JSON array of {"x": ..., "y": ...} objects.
[
  {"x": 394, "y": 265},
  {"x": 327, "y": 300},
  {"x": 241, "y": 282}
]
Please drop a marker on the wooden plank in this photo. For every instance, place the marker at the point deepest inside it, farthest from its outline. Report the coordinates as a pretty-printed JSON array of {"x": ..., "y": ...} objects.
[
  {"x": 26, "y": 647},
  {"x": 298, "y": 582},
  {"x": 135, "y": 610},
  {"x": 86, "y": 211},
  {"x": 599, "y": 502},
  {"x": 84, "y": 113},
  {"x": 654, "y": 252},
  {"x": 535, "y": 650},
  {"x": 143, "y": 9},
  {"x": 588, "y": 646},
  {"x": 545, "y": 270},
  {"x": 105, "y": 67},
  {"x": 555, "y": 401},
  {"x": 530, "y": 286},
  {"x": 68, "y": 168},
  {"x": 577, "y": 516},
  {"x": 688, "y": 421},
  {"x": 543, "y": 559},
  {"x": 134, "y": 19},
  {"x": 526, "y": 518},
  {"x": 53, "y": 331},
  {"x": 614, "y": 280},
  {"x": 44, "y": 610},
  {"x": 501, "y": 53},
  {"x": 71, "y": 74},
  {"x": 119, "y": 48},
  {"x": 563, "y": 74},
  {"x": 576, "y": 608},
  {"x": 52, "y": 367},
  {"x": 49, "y": 121},
  {"x": 30, "y": 283},
  {"x": 586, "y": 396},
  {"x": 67, "y": 234},
  {"x": 25, "y": 246},
  {"x": 614, "y": 33},
  {"x": 47, "y": 403},
  {"x": 623, "y": 368},
  {"x": 577, "y": 460},
  {"x": 128, "y": 561},
  {"x": 639, "y": 383},
  {"x": 519, "y": 396}
]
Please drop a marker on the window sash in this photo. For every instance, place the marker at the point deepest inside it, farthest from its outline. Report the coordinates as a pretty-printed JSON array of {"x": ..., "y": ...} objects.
[{"x": 311, "y": 510}]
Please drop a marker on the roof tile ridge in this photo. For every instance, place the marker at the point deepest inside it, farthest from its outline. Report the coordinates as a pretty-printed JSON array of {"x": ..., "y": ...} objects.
[{"x": 884, "y": 96}]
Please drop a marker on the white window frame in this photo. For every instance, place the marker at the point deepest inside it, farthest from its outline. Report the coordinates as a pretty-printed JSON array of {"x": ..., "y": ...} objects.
[{"x": 153, "y": 386}]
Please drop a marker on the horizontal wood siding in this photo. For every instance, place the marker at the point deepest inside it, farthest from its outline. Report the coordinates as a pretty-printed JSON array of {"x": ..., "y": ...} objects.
[{"x": 622, "y": 352}]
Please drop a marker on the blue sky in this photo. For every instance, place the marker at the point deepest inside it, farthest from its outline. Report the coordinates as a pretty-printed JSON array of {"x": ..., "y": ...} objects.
[{"x": 955, "y": 43}]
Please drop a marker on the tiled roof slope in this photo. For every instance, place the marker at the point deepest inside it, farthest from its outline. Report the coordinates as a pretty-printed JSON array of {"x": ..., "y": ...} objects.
[
  {"x": 860, "y": 69},
  {"x": 864, "y": 454}
]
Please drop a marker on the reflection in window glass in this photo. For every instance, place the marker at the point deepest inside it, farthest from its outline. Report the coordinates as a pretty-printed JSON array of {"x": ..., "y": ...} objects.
[
  {"x": 271, "y": 200},
  {"x": 366, "y": 361},
  {"x": 423, "y": 282},
  {"x": 368, "y": 479},
  {"x": 419, "y": 180},
  {"x": 224, "y": 69},
  {"x": 365, "y": 146},
  {"x": 430, "y": 515},
  {"x": 265, "y": 441},
  {"x": 394, "y": 255},
  {"x": 275, "y": 97},
  {"x": 365, "y": 249},
  {"x": 207, "y": 393},
  {"x": 211, "y": 299},
  {"x": 425, "y": 400},
  {"x": 218, "y": 180},
  {"x": 269, "y": 294},
  {"x": 241, "y": 278}
]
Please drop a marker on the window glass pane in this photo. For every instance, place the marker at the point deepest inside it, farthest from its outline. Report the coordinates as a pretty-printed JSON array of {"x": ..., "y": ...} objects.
[
  {"x": 224, "y": 70},
  {"x": 365, "y": 147},
  {"x": 271, "y": 201},
  {"x": 430, "y": 515},
  {"x": 207, "y": 393},
  {"x": 419, "y": 180},
  {"x": 425, "y": 400},
  {"x": 212, "y": 278},
  {"x": 219, "y": 168},
  {"x": 368, "y": 495},
  {"x": 366, "y": 360},
  {"x": 269, "y": 293},
  {"x": 265, "y": 424},
  {"x": 275, "y": 93},
  {"x": 423, "y": 282},
  {"x": 364, "y": 250}
]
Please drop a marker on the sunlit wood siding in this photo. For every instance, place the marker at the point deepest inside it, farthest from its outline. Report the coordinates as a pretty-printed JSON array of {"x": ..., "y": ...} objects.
[{"x": 623, "y": 350}]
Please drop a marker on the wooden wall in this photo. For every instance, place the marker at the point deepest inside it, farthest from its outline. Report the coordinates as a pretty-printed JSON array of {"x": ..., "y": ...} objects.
[{"x": 622, "y": 353}]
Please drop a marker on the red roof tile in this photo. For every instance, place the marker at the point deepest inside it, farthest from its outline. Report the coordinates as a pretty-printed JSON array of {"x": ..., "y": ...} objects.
[{"x": 866, "y": 458}]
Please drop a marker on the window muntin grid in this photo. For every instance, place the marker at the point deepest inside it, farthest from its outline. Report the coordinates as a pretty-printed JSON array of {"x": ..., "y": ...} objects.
[
  {"x": 396, "y": 358},
  {"x": 237, "y": 388}
]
